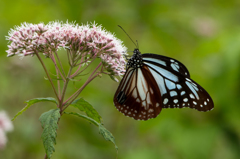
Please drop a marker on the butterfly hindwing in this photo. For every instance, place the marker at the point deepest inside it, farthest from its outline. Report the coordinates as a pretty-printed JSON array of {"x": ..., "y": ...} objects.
[
  {"x": 167, "y": 63},
  {"x": 177, "y": 89},
  {"x": 138, "y": 95}
]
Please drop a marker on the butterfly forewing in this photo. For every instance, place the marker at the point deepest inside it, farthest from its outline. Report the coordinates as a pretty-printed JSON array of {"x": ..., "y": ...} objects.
[{"x": 138, "y": 95}]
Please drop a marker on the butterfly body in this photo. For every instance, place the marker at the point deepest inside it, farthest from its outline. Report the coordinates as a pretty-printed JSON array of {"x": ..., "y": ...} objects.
[{"x": 153, "y": 82}]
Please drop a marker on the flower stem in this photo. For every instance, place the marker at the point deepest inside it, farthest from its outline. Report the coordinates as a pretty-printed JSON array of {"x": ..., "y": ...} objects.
[
  {"x": 49, "y": 78},
  {"x": 78, "y": 72},
  {"x": 59, "y": 61},
  {"x": 75, "y": 95},
  {"x": 57, "y": 69},
  {"x": 65, "y": 87}
]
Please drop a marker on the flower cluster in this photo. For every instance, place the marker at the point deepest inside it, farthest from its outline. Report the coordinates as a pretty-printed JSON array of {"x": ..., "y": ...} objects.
[
  {"x": 5, "y": 126},
  {"x": 86, "y": 40}
]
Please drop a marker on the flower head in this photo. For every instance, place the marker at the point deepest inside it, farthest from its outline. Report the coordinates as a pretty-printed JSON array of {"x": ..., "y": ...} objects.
[{"x": 85, "y": 40}]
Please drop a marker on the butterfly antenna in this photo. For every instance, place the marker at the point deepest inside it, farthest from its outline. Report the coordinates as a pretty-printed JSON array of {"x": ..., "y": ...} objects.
[
  {"x": 128, "y": 36},
  {"x": 137, "y": 44}
]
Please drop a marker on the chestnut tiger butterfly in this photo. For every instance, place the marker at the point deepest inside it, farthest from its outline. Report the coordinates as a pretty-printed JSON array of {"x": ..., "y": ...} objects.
[{"x": 152, "y": 82}]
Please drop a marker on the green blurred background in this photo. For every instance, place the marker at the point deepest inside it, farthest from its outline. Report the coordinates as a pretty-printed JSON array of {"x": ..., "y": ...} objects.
[{"x": 202, "y": 34}]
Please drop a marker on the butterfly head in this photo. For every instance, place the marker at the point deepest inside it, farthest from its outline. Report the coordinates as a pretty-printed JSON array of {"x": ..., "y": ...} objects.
[{"x": 136, "y": 60}]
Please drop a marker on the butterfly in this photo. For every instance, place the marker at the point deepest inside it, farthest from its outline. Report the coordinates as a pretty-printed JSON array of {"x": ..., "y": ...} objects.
[{"x": 152, "y": 82}]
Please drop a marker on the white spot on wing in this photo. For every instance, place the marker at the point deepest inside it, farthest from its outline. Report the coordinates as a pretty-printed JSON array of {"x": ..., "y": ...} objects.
[
  {"x": 165, "y": 101},
  {"x": 179, "y": 86},
  {"x": 192, "y": 96},
  {"x": 138, "y": 100},
  {"x": 174, "y": 67},
  {"x": 190, "y": 86},
  {"x": 151, "y": 90},
  {"x": 173, "y": 93},
  {"x": 182, "y": 93},
  {"x": 150, "y": 110},
  {"x": 144, "y": 103},
  {"x": 170, "y": 84},
  {"x": 175, "y": 100},
  {"x": 134, "y": 93},
  {"x": 148, "y": 98},
  {"x": 185, "y": 99}
]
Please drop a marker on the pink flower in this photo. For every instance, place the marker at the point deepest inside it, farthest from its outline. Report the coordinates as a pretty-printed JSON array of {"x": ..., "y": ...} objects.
[
  {"x": 5, "y": 122},
  {"x": 90, "y": 41},
  {"x": 5, "y": 126},
  {"x": 3, "y": 139}
]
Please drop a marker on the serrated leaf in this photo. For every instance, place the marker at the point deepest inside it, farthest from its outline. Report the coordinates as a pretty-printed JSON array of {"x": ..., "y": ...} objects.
[
  {"x": 102, "y": 130},
  {"x": 49, "y": 121},
  {"x": 86, "y": 107},
  {"x": 107, "y": 135},
  {"x": 33, "y": 101}
]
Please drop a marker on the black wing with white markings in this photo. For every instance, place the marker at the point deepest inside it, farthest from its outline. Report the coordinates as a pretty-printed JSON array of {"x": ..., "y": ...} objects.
[
  {"x": 153, "y": 82},
  {"x": 138, "y": 95},
  {"x": 166, "y": 63},
  {"x": 176, "y": 87}
]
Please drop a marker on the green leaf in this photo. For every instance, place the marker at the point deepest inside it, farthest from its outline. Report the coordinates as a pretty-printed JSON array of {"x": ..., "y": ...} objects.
[
  {"x": 33, "y": 101},
  {"x": 84, "y": 117},
  {"x": 49, "y": 121},
  {"x": 107, "y": 135},
  {"x": 84, "y": 106},
  {"x": 102, "y": 130}
]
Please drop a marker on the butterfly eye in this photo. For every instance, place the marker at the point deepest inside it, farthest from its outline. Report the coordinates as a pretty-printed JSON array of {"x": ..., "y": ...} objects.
[{"x": 153, "y": 82}]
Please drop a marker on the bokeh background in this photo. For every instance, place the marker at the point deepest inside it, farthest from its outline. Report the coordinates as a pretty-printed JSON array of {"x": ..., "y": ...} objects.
[{"x": 202, "y": 34}]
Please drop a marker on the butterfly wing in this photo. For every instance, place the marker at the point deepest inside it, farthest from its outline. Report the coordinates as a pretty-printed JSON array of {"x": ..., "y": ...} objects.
[
  {"x": 167, "y": 63},
  {"x": 138, "y": 95},
  {"x": 176, "y": 87}
]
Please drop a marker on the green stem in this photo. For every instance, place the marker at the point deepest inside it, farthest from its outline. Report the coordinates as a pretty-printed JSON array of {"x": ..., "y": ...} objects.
[
  {"x": 75, "y": 95},
  {"x": 77, "y": 73},
  {"x": 60, "y": 63},
  {"x": 56, "y": 67},
  {"x": 69, "y": 58},
  {"x": 49, "y": 78},
  {"x": 65, "y": 87}
]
